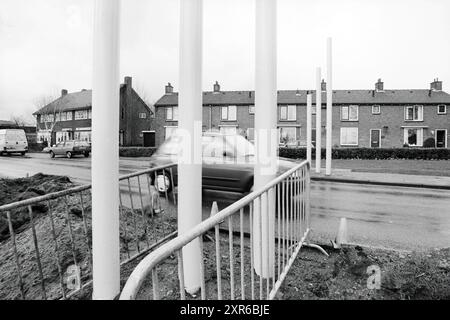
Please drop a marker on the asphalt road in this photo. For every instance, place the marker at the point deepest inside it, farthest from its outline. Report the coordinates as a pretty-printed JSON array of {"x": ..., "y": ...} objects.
[{"x": 392, "y": 217}]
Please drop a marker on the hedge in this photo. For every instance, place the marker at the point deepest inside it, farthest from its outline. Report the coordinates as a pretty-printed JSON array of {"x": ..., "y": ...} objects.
[
  {"x": 136, "y": 151},
  {"x": 373, "y": 153}
]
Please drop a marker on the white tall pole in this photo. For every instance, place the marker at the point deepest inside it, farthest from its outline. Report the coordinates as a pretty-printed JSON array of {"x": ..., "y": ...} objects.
[
  {"x": 308, "y": 127},
  {"x": 190, "y": 118},
  {"x": 318, "y": 118},
  {"x": 105, "y": 151},
  {"x": 266, "y": 132},
  {"x": 329, "y": 107}
]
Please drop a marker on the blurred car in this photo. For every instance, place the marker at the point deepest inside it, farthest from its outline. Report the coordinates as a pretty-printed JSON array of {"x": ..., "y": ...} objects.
[
  {"x": 70, "y": 148},
  {"x": 227, "y": 163}
]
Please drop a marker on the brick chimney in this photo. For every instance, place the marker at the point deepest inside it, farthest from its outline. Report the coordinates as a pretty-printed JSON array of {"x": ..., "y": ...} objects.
[
  {"x": 169, "y": 89},
  {"x": 379, "y": 86},
  {"x": 63, "y": 92},
  {"x": 436, "y": 85},
  {"x": 323, "y": 85},
  {"x": 128, "y": 82},
  {"x": 216, "y": 87}
]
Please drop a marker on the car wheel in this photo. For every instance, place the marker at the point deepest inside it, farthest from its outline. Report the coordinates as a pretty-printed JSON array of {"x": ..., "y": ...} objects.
[
  {"x": 86, "y": 154},
  {"x": 163, "y": 183},
  {"x": 22, "y": 153},
  {"x": 52, "y": 154},
  {"x": 69, "y": 154}
]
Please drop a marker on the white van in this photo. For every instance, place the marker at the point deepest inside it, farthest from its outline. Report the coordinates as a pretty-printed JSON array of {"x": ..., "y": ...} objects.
[{"x": 13, "y": 141}]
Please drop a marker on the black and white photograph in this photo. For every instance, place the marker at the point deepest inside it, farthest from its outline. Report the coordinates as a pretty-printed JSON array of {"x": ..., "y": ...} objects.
[{"x": 225, "y": 154}]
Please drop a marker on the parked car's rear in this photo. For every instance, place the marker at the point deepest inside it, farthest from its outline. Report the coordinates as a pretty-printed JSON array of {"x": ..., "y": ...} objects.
[
  {"x": 70, "y": 148},
  {"x": 13, "y": 141}
]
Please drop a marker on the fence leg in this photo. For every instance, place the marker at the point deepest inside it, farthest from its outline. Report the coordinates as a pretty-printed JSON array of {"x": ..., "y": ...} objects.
[
  {"x": 105, "y": 155},
  {"x": 318, "y": 119}
]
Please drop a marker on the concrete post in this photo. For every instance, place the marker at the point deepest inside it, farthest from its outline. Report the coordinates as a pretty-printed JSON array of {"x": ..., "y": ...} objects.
[
  {"x": 318, "y": 119},
  {"x": 190, "y": 118},
  {"x": 308, "y": 127},
  {"x": 329, "y": 108},
  {"x": 266, "y": 134},
  {"x": 105, "y": 154}
]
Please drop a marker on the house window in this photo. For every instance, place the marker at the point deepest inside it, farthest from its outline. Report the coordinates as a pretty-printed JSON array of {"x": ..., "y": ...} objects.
[
  {"x": 288, "y": 135},
  {"x": 251, "y": 109},
  {"x": 170, "y": 131},
  {"x": 413, "y": 137},
  {"x": 442, "y": 109},
  {"x": 142, "y": 115},
  {"x": 69, "y": 116},
  {"x": 376, "y": 109},
  {"x": 349, "y": 136},
  {"x": 172, "y": 113},
  {"x": 349, "y": 113},
  {"x": 414, "y": 113},
  {"x": 63, "y": 116},
  {"x": 288, "y": 113},
  {"x": 90, "y": 114},
  {"x": 81, "y": 114},
  {"x": 228, "y": 113}
]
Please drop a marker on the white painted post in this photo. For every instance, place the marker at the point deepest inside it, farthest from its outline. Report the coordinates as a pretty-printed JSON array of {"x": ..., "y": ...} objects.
[
  {"x": 266, "y": 134},
  {"x": 329, "y": 108},
  {"x": 318, "y": 119},
  {"x": 308, "y": 127},
  {"x": 105, "y": 151},
  {"x": 190, "y": 118}
]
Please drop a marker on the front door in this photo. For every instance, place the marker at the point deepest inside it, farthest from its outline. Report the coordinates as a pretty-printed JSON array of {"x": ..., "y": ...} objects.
[
  {"x": 441, "y": 138},
  {"x": 375, "y": 138},
  {"x": 149, "y": 139}
]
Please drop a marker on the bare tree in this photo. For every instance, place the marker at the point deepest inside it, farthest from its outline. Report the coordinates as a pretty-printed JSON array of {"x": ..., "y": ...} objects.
[
  {"x": 20, "y": 121},
  {"x": 145, "y": 97},
  {"x": 52, "y": 115}
]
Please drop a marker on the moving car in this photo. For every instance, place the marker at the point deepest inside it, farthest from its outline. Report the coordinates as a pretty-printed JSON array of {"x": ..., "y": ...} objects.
[
  {"x": 70, "y": 148},
  {"x": 227, "y": 163},
  {"x": 13, "y": 141}
]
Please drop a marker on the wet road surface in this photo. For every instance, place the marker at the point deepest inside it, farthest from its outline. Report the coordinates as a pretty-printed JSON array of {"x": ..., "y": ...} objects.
[{"x": 392, "y": 217}]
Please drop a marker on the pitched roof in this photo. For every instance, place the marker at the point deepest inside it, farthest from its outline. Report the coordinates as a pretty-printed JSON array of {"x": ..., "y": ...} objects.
[
  {"x": 75, "y": 101},
  {"x": 71, "y": 101},
  {"x": 403, "y": 96}
]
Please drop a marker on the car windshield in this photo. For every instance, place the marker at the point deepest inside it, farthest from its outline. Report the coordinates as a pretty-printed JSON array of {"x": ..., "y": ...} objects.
[
  {"x": 82, "y": 144},
  {"x": 243, "y": 147},
  {"x": 238, "y": 145}
]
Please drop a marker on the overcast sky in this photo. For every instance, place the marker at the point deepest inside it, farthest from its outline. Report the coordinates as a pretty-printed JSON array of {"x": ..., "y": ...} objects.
[{"x": 46, "y": 45}]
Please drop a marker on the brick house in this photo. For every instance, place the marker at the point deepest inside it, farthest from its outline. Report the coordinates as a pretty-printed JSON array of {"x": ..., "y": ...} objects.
[
  {"x": 69, "y": 117},
  {"x": 361, "y": 118}
]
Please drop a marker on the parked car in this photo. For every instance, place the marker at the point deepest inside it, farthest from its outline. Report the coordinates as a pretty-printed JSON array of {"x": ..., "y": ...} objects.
[
  {"x": 13, "y": 141},
  {"x": 70, "y": 148},
  {"x": 227, "y": 163}
]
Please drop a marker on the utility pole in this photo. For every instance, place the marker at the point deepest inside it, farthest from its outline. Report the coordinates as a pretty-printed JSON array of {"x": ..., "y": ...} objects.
[
  {"x": 318, "y": 119},
  {"x": 329, "y": 108},
  {"x": 190, "y": 124},
  {"x": 105, "y": 151},
  {"x": 265, "y": 133},
  {"x": 308, "y": 127}
]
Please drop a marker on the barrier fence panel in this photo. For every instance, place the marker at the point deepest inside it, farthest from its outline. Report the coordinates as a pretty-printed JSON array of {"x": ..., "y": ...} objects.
[
  {"x": 227, "y": 264},
  {"x": 46, "y": 242}
]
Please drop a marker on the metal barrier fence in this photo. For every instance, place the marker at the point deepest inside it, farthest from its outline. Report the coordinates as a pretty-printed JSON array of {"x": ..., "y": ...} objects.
[
  {"x": 221, "y": 266},
  {"x": 52, "y": 258}
]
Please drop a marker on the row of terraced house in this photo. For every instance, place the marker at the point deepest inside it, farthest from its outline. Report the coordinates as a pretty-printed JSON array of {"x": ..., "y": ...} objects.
[{"x": 375, "y": 118}]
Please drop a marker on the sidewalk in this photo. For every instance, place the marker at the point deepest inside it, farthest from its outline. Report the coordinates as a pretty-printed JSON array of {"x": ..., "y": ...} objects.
[{"x": 391, "y": 179}]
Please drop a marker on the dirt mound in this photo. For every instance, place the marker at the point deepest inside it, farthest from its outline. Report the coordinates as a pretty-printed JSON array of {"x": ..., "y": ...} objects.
[{"x": 13, "y": 190}]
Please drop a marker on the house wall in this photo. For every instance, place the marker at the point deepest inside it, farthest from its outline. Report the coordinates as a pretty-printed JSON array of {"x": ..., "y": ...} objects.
[
  {"x": 131, "y": 123},
  {"x": 391, "y": 121}
]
